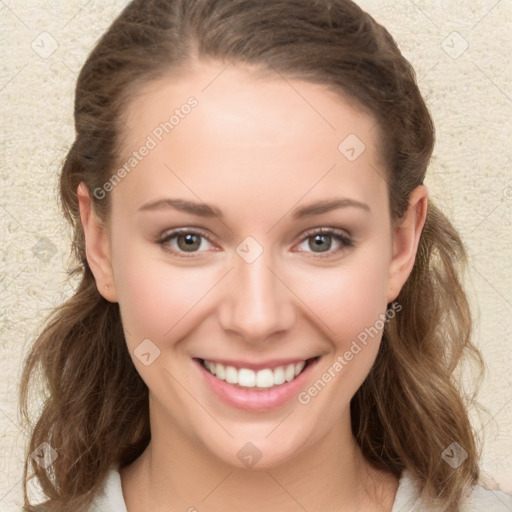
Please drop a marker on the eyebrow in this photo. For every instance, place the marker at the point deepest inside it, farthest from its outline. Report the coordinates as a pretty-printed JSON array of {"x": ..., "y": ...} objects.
[
  {"x": 328, "y": 205},
  {"x": 201, "y": 209},
  {"x": 205, "y": 210}
]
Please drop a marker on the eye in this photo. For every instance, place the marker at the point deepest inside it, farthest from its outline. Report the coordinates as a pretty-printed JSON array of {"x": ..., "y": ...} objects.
[
  {"x": 185, "y": 241},
  {"x": 323, "y": 240}
]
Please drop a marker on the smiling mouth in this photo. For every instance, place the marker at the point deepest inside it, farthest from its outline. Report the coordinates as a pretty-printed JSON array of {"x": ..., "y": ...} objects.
[{"x": 262, "y": 379}]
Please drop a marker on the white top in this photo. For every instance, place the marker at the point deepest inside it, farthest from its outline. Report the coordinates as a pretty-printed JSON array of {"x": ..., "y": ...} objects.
[{"x": 406, "y": 500}]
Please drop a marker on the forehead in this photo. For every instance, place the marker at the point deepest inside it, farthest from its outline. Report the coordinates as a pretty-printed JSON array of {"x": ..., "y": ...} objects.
[
  {"x": 248, "y": 127},
  {"x": 227, "y": 93}
]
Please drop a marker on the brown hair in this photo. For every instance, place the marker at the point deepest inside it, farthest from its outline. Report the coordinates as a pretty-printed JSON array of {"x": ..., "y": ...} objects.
[{"x": 409, "y": 409}]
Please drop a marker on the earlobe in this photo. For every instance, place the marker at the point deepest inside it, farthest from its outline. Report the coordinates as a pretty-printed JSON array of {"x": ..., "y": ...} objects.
[
  {"x": 97, "y": 247},
  {"x": 406, "y": 237}
]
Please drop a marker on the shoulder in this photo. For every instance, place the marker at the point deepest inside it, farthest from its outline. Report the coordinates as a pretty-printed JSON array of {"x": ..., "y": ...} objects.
[
  {"x": 486, "y": 500},
  {"x": 110, "y": 499},
  {"x": 480, "y": 498}
]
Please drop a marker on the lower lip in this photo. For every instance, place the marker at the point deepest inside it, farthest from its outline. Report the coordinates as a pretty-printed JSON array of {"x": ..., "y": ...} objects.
[{"x": 251, "y": 400}]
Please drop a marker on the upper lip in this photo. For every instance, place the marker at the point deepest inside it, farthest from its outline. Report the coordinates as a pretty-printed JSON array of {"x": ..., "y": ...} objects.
[{"x": 251, "y": 365}]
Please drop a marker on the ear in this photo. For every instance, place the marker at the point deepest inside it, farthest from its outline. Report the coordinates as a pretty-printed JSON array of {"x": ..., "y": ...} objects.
[
  {"x": 406, "y": 237},
  {"x": 97, "y": 246}
]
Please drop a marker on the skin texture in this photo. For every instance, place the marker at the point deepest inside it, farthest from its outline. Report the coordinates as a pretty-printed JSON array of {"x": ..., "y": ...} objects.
[{"x": 256, "y": 147}]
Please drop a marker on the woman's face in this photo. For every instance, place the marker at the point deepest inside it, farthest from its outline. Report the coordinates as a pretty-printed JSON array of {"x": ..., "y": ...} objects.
[{"x": 251, "y": 236}]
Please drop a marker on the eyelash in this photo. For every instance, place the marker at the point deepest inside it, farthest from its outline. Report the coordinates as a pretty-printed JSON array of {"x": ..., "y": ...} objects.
[
  {"x": 340, "y": 236},
  {"x": 337, "y": 235}
]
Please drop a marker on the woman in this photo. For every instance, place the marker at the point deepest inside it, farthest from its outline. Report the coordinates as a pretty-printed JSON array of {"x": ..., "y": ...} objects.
[{"x": 270, "y": 311}]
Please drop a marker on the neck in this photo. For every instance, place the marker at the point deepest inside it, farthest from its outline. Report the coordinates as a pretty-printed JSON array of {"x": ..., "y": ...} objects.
[{"x": 177, "y": 473}]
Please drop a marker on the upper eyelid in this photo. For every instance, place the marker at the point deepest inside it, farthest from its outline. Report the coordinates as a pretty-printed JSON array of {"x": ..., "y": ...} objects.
[
  {"x": 326, "y": 230},
  {"x": 344, "y": 238},
  {"x": 167, "y": 236},
  {"x": 171, "y": 233}
]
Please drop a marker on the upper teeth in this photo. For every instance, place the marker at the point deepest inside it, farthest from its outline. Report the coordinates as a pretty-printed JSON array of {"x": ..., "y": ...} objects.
[{"x": 247, "y": 378}]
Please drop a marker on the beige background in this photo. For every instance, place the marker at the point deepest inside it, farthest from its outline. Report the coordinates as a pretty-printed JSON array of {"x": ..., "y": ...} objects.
[{"x": 461, "y": 51}]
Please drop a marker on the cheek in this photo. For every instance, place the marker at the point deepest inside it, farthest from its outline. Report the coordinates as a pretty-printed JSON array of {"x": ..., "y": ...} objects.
[
  {"x": 346, "y": 299},
  {"x": 351, "y": 303},
  {"x": 156, "y": 299}
]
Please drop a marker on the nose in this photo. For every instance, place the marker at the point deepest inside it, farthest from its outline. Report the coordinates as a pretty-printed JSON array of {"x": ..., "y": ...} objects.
[{"x": 256, "y": 304}]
